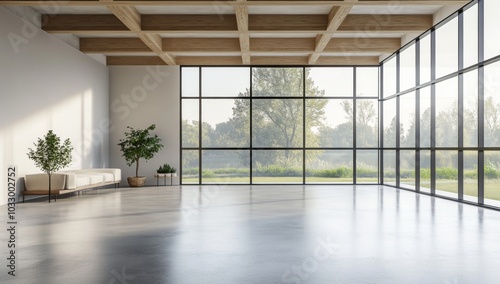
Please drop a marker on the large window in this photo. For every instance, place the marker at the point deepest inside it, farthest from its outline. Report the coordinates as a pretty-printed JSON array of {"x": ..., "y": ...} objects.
[
  {"x": 439, "y": 126},
  {"x": 276, "y": 125},
  {"x": 443, "y": 137}
]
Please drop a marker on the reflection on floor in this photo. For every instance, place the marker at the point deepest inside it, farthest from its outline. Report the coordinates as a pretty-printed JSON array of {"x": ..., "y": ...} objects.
[{"x": 254, "y": 234}]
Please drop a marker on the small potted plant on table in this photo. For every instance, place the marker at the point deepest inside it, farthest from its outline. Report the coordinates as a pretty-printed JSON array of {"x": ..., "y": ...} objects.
[{"x": 166, "y": 171}]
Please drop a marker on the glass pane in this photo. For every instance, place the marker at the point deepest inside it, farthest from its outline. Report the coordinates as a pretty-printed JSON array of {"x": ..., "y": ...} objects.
[
  {"x": 492, "y": 105},
  {"x": 447, "y": 113},
  {"x": 226, "y": 123},
  {"x": 425, "y": 59},
  {"x": 366, "y": 123},
  {"x": 491, "y": 24},
  {"x": 225, "y": 81},
  {"x": 447, "y": 48},
  {"x": 334, "y": 128},
  {"x": 367, "y": 82},
  {"x": 329, "y": 81},
  {"x": 407, "y": 68},
  {"x": 407, "y": 119},
  {"x": 190, "y": 81},
  {"x": 470, "y": 176},
  {"x": 390, "y": 123},
  {"x": 367, "y": 166},
  {"x": 447, "y": 173},
  {"x": 492, "y": 178},
  {"x": 425, "y": 117},
  {"x": 225, "y": 166},
  {"x": 277, "y": 82},
  {"x": 425, "y": 171},
  {"x": 470, "y": 36},
  {"x": 390, "y": 77},
  {"x": 277, "y": 123},
  {"x": 390, "y": 167},
  {"x": 277, "y": 166},
  {"x": 407, "y": 169},
  {"x": 329, "y": 166},
  {"x": 190, "y": 166},
  {"x": 470, "y": 109},
  {"x": 190, "y": 122}
]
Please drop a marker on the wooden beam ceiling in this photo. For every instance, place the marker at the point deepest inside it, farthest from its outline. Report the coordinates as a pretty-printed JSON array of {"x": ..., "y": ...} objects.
[
  {"x": 241, "y": 13},
  {"x": 131, "y": 18},
  {"x": 238, "y": 34},
  {"x": 211, "y": 3},
  {"x": 236, "y": 60},
  {"x": 335, "y": 18},
  {"x": 164, "y": 24},
  {"x": 223, "y": 45}
]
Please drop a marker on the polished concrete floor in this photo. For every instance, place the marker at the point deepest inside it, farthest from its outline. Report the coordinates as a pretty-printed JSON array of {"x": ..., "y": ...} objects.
[{"x": 252, "y": 235}]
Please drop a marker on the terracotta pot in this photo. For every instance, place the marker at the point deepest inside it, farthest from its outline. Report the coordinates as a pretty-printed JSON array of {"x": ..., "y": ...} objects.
[{"x": 136, "y": 181}]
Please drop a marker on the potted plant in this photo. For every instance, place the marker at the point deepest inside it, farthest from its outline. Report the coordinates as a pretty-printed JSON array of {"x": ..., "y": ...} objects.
[
  {"x": 139, "y": 144},
  {"x": 167, "y": 170},
  {"x": 50, "y": 155},
  {"x": 173, "y": 171}
]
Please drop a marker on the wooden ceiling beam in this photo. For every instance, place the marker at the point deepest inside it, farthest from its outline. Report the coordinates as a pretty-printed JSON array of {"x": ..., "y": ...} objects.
[
  {"x": 382, "y": 45},
  {"x": 236, "y": 60},
  {"x": 110, "y": 45},
  {"x": 134, "y": 60},
  {"x": 184, "y": 44},
  {"x": 222, "y": 45},
  {"x": 131, "y": 18},
  {"x": 212, "y": 3},
  {"x": 241, "y": 13},
  {"x": 335, "y": 18},
  {"x": 257, "y": 24}
]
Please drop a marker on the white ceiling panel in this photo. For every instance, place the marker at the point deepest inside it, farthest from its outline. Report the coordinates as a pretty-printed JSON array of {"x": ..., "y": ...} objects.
[
  {"x": 107, "y": 35},
  {"x": 206, "y": 54},
  {"x": 208, "y": 35},
  {"x": 283, "y": 35},
  {"x": 395, "y": 9},
  {"x": 131, "y": 54},
  {"x": 291, "y": 10},
  {"x": 72, "y": 10},
  {"x": 218, "y": 8},
  {"x": 280, "y": 53}
]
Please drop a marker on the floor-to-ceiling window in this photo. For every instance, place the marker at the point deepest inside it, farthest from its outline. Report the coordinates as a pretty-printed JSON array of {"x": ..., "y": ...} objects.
[
  {"x": 439, "y": 126},
  {"x": 441, "y": 109},
  {"x": 279, "y": 125}
]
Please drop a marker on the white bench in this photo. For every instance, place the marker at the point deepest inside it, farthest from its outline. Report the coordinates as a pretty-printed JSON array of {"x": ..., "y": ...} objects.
[{"x": 70, "y": 181}]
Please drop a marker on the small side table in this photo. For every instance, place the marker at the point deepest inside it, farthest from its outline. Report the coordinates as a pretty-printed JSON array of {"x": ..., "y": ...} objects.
[{"x": 164, "y": 176}]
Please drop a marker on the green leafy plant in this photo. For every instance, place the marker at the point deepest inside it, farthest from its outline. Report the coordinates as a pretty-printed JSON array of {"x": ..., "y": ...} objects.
[
  {"x": 139, "y": 144},
  {"x": 166, "y": 169},
  {"x": 50, "y": 155}
]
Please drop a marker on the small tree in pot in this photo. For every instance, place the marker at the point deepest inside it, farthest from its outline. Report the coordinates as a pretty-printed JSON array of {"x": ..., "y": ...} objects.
[
  {"x": 50, "y": 155},
  {"x": 139, "y": 143}
]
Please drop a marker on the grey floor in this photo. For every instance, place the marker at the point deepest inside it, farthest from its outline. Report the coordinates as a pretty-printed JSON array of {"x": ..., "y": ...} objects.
[{"x": 259, "y": 234}]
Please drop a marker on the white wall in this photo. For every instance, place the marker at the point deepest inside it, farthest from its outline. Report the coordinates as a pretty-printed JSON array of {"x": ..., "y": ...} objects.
[
  {"x": 139, "y": 97},
  {"x": 46, "y": 84}
]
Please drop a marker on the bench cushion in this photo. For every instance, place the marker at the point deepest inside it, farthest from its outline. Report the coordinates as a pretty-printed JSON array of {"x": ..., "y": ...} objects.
[{"x": 41, "y": 181}]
